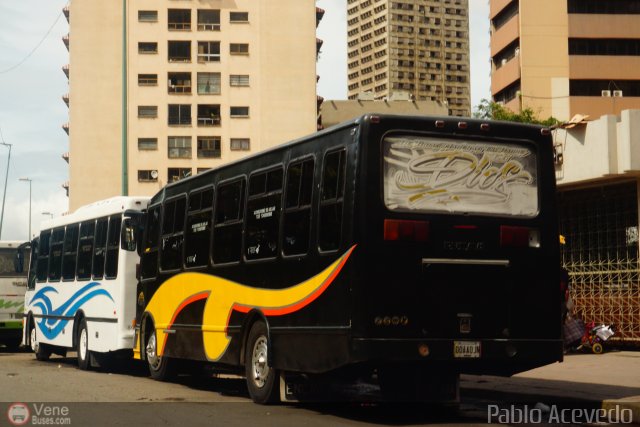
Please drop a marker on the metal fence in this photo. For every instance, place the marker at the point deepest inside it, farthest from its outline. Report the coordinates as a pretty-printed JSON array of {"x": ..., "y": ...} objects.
[{"x": 600, "y": 225}]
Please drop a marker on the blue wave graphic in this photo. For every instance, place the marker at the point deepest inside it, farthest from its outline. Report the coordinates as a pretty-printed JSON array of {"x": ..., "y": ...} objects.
[{"x": 51, "y": 327}]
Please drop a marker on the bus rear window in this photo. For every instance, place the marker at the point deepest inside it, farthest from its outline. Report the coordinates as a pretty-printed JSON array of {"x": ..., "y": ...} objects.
[{"x": 427, "y": 174}]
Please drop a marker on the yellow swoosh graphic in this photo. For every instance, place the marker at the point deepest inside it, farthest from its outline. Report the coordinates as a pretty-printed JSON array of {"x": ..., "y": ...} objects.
[{"x": 223, "y": 296}]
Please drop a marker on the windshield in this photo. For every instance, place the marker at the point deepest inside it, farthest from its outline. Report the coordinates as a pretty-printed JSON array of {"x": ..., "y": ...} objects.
[
  {"x": 434, "y": 174},
  {"x": 7, "y": 263}
]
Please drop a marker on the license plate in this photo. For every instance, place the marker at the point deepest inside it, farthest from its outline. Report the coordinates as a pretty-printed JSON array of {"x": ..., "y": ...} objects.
[{"x": 466, "y": 349}]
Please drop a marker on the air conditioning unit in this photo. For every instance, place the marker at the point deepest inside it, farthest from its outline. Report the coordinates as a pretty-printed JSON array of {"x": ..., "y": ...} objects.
[
  {"x": 605, "y": 93},
  {"x": 154, "y": 174},
  {"x": 617, "y": 93},
  {"x": 504, "y": 61}
]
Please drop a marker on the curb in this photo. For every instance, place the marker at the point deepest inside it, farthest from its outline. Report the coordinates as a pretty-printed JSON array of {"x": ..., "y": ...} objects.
[{"x": 631, "y": 403}]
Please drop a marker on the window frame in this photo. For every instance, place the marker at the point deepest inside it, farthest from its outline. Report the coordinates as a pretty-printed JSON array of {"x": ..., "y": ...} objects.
[
  {"x": 298, "y": 208},
  {"x": 242, "y": 179},
  {"x": 200, "y": 191}
]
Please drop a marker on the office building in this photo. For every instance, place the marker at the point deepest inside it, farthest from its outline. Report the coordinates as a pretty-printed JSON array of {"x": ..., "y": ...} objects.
[
  {"x": 419, "y": 46},
  {"x": 162, "y": 89},
  {"x": 566, "y": 57}
]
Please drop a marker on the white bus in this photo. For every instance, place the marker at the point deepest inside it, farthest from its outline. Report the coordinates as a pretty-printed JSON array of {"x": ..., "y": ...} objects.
[
  {"x": 13, "y": 283},
  {"x": 82, "y": 282}
]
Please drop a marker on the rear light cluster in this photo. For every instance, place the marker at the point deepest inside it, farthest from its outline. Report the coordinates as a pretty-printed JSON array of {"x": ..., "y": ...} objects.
[
  {"x": 519, "y": 237},
  {"x": 405, "y": 230}
]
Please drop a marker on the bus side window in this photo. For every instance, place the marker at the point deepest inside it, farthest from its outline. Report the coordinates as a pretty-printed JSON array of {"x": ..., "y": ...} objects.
[
  {"x": 263, "y": 215},
  {"x": 55, "y": 254},
  {"x": 42, "y": 267},
  {"x": 85, "y": 249},
  {"x": 227, "y": 231},
  {"x": 198, "y": 234},
  {"x": 149, "y": 257},
  {"x": 297, "y": 214},
  {"x": 70, "y": 252},
  {"x": 172, "y": 234},
  {"x": 33, "y": 264},
  {"x": 331, "y": 201},
  {"x": 99, "y": 250},
  {"x": 113, "y": 247}
]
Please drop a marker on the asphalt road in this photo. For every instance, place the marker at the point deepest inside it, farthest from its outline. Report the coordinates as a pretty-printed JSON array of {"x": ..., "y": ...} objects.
[{"x": 57, "y": 391}]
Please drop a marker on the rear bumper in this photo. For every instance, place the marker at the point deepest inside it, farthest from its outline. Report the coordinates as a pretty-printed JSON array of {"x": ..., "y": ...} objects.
[{"x": 497, "y": 356}]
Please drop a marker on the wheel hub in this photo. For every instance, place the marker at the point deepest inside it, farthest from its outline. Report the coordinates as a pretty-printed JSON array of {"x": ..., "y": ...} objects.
[
  {"x": 259, "y": 362},
  {"x": 152, "y": 356}
]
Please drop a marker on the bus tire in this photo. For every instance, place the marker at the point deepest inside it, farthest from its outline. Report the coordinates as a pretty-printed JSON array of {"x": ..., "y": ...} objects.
[
  {"x": 41, "y": 351},
  {"x": 261, "y": 378},
  {"x": 160, "y": 367},
  {"x": 82, "y": 346}
]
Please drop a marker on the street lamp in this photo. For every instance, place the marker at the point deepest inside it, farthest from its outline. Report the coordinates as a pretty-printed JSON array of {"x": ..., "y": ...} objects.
[
  {"x": 5, "y": 184},
  {"x": 28, "y": 180},
  {"x": 48, "y": 213}
]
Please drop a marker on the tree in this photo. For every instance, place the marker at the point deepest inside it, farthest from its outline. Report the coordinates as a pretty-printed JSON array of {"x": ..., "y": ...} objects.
[{"x": 494, "y": 111}]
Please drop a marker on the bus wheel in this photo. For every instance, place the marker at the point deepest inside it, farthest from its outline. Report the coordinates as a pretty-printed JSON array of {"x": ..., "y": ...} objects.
[
  {"x": 160, "y": 367},
  {"x": 261, "y": 378},
  {"x": 82, "y": 341},
  {"x": 41, "y": 351}
]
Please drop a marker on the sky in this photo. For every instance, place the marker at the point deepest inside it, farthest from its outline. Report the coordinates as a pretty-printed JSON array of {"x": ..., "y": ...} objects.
[{"x": 32, "y": 111}]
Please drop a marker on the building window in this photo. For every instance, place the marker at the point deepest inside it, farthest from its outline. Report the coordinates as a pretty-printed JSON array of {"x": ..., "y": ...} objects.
[
  {"x": 208, "y": 20},
  {"x": 208, "y": 83},
  {"x": 240, "y": 144},
  {"x": 239, "y": 80},
  {"x": 613, "y": 47},
  {"x": 147, "y": 144},
  {"x": 239, "y": 111},
  {"x": 179, "y": 147},
  {"x": 148, "y": 47},
  {"x": 176, "y": 174},
  {"x": 179, "y": 114},
  {"x": 179, "y": 82},
  {"x": 147, "y": 111},
  {"x": 237, "y": 17},
  {"x": 239, "y": 48},
  {"x": 179, "y": 19},
  {"x": 208, "y": 115},
  {"x": 179, "y": 51},
  {"x": 200, "y": 170},
  {"x": 626, "y": 7},
  {"x": 148, "y": 176},
  {"x": 147, "y": 16},
  {"x": 208, "y": 51},
  {"x": 147, "y": 79},
  {"x": 209, "y": 147}
]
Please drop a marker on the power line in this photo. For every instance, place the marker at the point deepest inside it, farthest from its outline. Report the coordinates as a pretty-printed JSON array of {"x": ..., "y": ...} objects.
[{"x": 35, "y": 48}]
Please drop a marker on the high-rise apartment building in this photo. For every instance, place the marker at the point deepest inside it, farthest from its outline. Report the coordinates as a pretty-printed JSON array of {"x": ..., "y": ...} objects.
[
  {"x": 415, "y": 46},
  {"x": 162, "y": 89},
  {"x": 566, "y": 57}
]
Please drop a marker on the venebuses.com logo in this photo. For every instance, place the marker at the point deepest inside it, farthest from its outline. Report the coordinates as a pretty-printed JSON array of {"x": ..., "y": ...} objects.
[{"x": 20, "y": 414}]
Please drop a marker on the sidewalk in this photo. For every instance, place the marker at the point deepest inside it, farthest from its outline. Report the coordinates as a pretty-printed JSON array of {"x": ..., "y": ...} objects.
[{"x": 604, "y": 380}]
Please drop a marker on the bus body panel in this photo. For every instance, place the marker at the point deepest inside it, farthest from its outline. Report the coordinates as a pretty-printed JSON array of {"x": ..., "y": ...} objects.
[{"x": 13, "y": 285}]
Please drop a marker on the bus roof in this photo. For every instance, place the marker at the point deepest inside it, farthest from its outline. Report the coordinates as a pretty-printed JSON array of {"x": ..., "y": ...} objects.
[{"x": 99, "y": 209}]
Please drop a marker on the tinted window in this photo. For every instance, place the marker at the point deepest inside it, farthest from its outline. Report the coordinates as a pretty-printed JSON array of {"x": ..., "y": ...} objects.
[
  {"x": 85, "y": 250},
  {"x": 297, "y": 214},
  {"x": 43, "y": 256},
  {"x": 70, "y": 253},
  {"x": 263, "y": 215},
  {"x": 113, "y": 247},
  {"x": 228, "y": 222},
  {"x": 55, "y": 254},
  {"x": 330, "y": 221},
  {"x": 198, "y": 234},
  {"x": 149, "y": 257},
  {"x": 172, "y": 234},
  {"x": 100, "y": 250}
]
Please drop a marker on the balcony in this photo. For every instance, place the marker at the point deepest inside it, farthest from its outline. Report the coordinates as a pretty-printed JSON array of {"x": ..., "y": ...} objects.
[
  {"x": 179, "y": 51},
  {"x": 65, "y": 185},
  {"x": 604, "y": 26},
  {"x": 506, "y": 75},
  {"x": 65, "y": 70},
  {"x": 65, "y": 11},
  {"x": 179, "y": 83},
  {"x": 65, "y": 156},
  {"x": 179, "y": 20},
  {"x": 65, "y": 127},
  {"x": 65, "y": 40},
  {"x": 208, "y": 20},
  {"x": 319, "y": 15},
  {"x": 505, "y": 35},
  {"x": 65, "y": 98},
  {"x": 208, "y": 115}
]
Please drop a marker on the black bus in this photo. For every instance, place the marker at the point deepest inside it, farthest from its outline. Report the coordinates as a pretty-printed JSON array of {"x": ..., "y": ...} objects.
[{"x": 410, "y": 248}]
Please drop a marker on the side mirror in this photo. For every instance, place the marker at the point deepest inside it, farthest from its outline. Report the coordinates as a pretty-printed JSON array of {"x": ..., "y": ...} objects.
[
  {"x": 18, "y": 261},
  {"x": 128, "y": 235}
]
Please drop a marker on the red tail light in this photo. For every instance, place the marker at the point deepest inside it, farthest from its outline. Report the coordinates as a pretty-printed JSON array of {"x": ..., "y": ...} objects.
[
  {"x": 519, "y": 237},
  {"x": 405, "y": 230}
]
